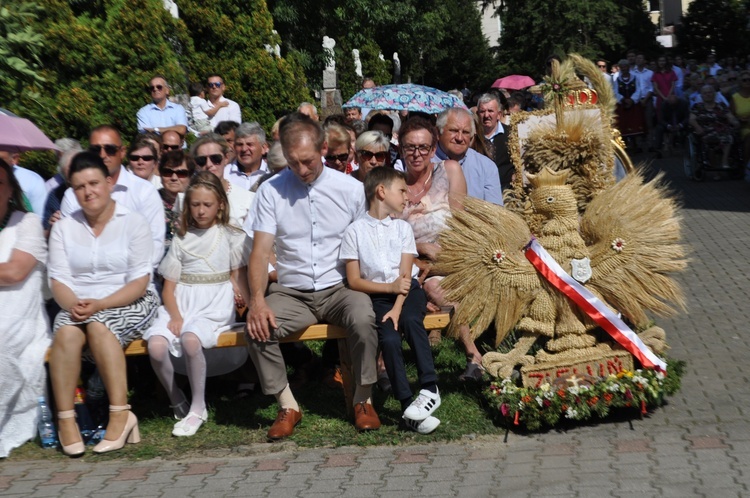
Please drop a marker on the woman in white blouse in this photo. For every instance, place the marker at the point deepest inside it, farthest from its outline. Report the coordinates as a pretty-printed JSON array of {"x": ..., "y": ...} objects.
[{"x": 99, "y": 269}]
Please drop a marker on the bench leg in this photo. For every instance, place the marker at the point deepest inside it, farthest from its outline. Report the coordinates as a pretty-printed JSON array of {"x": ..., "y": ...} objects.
[{"x": 346, "y": 376}]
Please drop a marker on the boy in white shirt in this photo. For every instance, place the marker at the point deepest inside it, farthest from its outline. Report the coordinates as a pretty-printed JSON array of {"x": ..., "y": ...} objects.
[
  {"x": 379, "y": 252},
  {"x": 201, "y": 111}
]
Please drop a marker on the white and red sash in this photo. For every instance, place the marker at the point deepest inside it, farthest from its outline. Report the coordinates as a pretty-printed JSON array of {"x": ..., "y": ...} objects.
[{"x": 592, "y": 306}]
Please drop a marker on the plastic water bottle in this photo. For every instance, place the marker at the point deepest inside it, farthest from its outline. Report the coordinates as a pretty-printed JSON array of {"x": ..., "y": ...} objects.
[
  {"x": 83, "y": 417},
  {"x": 47, "y": 432}
]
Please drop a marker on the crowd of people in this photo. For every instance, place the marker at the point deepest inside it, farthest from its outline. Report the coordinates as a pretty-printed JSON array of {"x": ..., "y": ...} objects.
[
  {"x": 660, "y": 101},
  {"x": 335, "y": 222}
]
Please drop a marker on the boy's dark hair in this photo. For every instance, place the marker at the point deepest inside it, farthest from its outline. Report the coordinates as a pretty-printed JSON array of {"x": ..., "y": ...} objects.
[
  {"x": 195, "y": 89},
  {"x": 380, "y": 176},
  {"x": 225, "y": 127}
]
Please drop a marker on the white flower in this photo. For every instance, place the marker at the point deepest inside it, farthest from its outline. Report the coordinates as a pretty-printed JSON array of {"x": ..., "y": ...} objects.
[
  {"x": 571, "y": 413},
  {"x": 545, "y": 387},
  {"x": 539, "y": 401},
  {"x": 618, "y": 244},
  {"x": 640, "y": 380},
  {"x": 614, "y": 387},
  {"x": 499, "y": 256},
  {"x": 660, "y": 375},
  {"x": 573, "y": 390},
  {"x": 549, "y": 395}
]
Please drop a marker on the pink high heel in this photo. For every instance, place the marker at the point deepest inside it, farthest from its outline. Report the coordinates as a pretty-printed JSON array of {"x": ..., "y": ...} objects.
[
  {"x": 130, "y": 433},
  {"x": 75, "y": 449}
]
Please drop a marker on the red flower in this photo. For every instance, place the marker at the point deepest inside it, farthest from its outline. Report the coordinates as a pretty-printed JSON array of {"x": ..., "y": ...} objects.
[{"x": 504, "y": 409}]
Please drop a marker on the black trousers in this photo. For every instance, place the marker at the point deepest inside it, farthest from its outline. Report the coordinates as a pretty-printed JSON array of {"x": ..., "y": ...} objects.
[{"x": 411, "y": 325}]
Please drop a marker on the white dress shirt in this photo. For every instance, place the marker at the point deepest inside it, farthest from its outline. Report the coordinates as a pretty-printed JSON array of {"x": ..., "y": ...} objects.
[
  {"x": 96, "y": 267},
  {"x": 378, "y": 245},
  {"x": 231, "y": 112},
  {"x": 33, "y": 187},
  {"x": 236, "y": 176},
  {"x": 644, "y": 80},
  {"x": 137, "y": 195},
  {"x": 308, "y": 222}
]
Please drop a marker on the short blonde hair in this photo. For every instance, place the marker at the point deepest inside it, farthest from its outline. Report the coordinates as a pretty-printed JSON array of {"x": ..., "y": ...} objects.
[{"x": 336, "y": 136}]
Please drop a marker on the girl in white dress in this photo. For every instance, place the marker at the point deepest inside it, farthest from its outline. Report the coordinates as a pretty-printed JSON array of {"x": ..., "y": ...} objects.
[{"x": 197, "y": 296}]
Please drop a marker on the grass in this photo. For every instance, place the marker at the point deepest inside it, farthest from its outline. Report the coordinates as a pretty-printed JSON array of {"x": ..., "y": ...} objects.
[{"x": 237, "y": 423}]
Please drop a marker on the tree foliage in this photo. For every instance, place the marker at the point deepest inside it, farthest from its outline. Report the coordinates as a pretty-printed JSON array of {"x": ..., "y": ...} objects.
[
  {"x": 718, "y": 26},
  {"x": 535, "y": 29},
  {"x": 439, "y": 43},
  {"x": 19, "y": 45},
  {"x": 95, "y": 58}
]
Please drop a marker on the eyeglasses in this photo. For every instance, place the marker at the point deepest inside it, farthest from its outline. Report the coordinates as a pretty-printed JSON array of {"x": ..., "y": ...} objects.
[
  {"x": 419, "y": 149},
  {"x": 215, "y": 85},
  {"x": 202, "y": 160},
  {"x": 342, "y": 158},
  {"x": 168, "y": 172},
  {"x": 110, "y": 149},
  {"x": 170, "y": 147},
  {"x": 135, "y": 158},
  {"x": 151, "y": 88},
  {"x": 367, "y": 155}
]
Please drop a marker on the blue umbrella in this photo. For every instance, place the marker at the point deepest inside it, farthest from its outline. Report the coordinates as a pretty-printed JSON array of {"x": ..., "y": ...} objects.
[{"x": 405, "y": 97}]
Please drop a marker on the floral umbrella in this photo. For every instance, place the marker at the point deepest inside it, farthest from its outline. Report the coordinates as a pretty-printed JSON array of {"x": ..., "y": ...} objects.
[{"x": 405, "y": 97}]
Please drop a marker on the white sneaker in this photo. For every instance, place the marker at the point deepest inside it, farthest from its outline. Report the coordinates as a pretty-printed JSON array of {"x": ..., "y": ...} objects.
[
  {"x": 424, "y": 406},
  {"x": 185, "y": 428},
  {"x": 425, "y": 426}
]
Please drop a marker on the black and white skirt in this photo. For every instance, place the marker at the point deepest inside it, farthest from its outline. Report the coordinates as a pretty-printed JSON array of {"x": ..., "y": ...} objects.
[{"x": 127, "y": 323}]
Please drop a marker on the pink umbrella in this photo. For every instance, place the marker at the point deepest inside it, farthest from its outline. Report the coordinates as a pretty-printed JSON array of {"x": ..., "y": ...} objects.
[
  {"x": 19, "y": 135},
  {"x": 514, "y": 82}
]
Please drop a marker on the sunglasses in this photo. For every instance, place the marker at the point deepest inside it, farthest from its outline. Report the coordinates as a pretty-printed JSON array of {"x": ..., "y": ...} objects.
[
  {"x": 151, "y": 88},
  {"x": 601, "y": 65},
  {"x": 110, "y": 149},
  {"x": 367, "y": 155},
  {"x": 342, "y": 158},
  {"x": 215, "y": 85},
  {"x": 170, "y": 147},
  {"x": 168, "y": 172},
  {"x": 202, "y": 160},
  {"x": 135, "y": 158}
]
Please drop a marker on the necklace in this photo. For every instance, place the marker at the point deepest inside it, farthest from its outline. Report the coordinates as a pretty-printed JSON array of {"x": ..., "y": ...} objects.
[{"x": 424, "y": 186}]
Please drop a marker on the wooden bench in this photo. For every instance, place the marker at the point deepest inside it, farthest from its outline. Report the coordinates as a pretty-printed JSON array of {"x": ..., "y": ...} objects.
[{"x": 236, "y": 337}]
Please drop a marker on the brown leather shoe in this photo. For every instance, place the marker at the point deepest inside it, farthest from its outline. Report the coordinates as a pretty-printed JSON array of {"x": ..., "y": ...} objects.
[
  {"x": 284, "y": 424},
  {"x": 365, "y": 418}
]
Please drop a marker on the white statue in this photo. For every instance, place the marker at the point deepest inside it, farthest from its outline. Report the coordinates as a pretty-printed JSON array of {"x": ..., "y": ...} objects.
[
  {"x": 269, "y": 49},
  {"x": 381, "y": 57},
  {"x": 277, "y": 51},
  {"x": 396, "y": 63},
  {"x": 171, "y": 7},
  {"x": 357, "y": 63},
  {"x": 328, "y": 44}
]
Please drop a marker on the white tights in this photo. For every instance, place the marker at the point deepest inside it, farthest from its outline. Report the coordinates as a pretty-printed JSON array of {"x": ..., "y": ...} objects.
[{"x": 158, "y": 350}]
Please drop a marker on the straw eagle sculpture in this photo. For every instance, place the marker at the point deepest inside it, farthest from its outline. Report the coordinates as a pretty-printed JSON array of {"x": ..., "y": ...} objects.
[{"x": 564, "y": 194}]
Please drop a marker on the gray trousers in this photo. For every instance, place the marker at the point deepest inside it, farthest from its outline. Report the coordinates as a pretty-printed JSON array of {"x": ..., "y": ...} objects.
[{"x": 296, "y": 310}]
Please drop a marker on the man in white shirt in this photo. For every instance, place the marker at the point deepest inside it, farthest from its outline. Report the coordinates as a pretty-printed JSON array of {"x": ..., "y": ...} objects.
[
  {"x": 304, "y": 212},
  {"x": 231, "y": 112},
  {"x": 646, "y": 91},
  {"x": 134, "y": 193},
  {"x": 248, "y": 166}
]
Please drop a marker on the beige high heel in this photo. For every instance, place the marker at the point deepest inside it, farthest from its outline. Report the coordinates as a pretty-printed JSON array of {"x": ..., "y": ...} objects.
[
  {"x": 130, "y": 433},
  {"x": 75, "y": 449}
]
